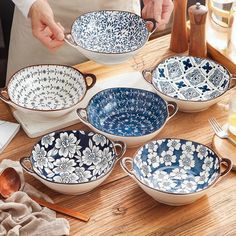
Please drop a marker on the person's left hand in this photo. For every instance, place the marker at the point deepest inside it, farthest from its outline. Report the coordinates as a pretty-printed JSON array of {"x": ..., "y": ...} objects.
[{"x": 160, "y": 10}]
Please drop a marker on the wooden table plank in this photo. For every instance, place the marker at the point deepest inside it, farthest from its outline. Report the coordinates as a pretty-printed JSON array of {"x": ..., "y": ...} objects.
[{"x": 119, "y": 206}]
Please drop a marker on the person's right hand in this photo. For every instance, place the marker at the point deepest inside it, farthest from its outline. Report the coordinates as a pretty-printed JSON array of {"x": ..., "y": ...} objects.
[{"x": 44, "y": 28}]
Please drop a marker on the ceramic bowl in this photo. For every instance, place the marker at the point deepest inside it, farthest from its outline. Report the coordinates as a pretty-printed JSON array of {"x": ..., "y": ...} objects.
[
  {"x": 175, "y": 171},
  {"x": 109, "y": 37},
  {"x": 47, "y": 91},
  {"x": 73, "y": 162},
  {"x": 193, "y": 83},
  {"x": 131, "y": 115}
]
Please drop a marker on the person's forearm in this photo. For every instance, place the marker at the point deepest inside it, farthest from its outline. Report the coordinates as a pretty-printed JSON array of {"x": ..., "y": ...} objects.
[{"x": 24, "y": 6}]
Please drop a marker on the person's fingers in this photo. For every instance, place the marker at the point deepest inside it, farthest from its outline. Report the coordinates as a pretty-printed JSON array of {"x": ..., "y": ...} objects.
[
  {"x": 62, "y": 28},
  {"x": 167, "y": 11},
  {"x": 157, "y": 10},
  {"x": 55, "y": 28}
]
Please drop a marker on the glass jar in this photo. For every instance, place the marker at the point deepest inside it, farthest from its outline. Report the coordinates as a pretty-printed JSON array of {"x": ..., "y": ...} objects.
[{"x": 232, "y": 114}]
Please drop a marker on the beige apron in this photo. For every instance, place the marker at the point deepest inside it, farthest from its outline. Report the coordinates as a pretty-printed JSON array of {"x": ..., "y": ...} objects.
[{"x": 26, "y": 50}]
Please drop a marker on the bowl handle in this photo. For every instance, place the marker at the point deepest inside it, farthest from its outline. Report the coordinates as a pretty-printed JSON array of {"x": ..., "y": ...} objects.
[
  {"x": 154, "y": 25},
  {"x": 83, "y": 118},
  {"x": 4, "y": 95},
  {"x": 229, "y": 165},
  {"x": 122, "y": 147},
  {"x": 94, "y": 79},
  {"x": 69, "y": 40},
  {"x": 123, "y": 164},
  {"x": 23, "y": 162},
  {"x": 174, "y": 107},
  {"x": 147, "y": 75},
  {"x": 233, "y": 81}
]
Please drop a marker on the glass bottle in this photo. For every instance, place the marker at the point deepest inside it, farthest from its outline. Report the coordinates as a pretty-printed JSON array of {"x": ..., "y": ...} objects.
[{"x": 232, "y": 114}]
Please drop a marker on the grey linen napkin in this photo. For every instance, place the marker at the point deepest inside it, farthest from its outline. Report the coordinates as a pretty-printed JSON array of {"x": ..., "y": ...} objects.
[{"x": 21, "y": 216}]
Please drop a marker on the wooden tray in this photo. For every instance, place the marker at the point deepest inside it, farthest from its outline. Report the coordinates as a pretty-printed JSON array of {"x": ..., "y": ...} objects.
[{"x": 224, "y": 148}]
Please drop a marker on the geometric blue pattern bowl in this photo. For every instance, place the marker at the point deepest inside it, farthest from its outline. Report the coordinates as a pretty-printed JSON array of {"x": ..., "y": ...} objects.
[
  {"x": 73, "y": 161},
  {"x": 126, "y": 112},
  {"x": 193, "y": 83},
  {"x": 176, "y": 167}
]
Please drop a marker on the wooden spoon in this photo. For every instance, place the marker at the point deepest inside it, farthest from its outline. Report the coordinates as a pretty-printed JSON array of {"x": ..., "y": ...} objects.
[{"x": 10, "y": 183}]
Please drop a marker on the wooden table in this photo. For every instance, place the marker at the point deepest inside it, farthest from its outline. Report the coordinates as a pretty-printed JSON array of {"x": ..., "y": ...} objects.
[{"x": 119, "y": 206}]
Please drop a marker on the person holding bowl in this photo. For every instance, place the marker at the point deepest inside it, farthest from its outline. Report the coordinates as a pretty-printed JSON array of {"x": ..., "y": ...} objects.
[{"x": 37, "y": 35}]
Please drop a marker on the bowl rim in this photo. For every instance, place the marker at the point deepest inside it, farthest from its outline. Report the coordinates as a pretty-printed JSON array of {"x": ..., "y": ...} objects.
[
  {"x": 90, "y": 181},
  {"x": 120, "y": 136},
  {"x": 179, "y": 194},
  {"x": 185, "y": 100},
  {"x": 108, "y": 53},
  {"x": 48, "y": 110}
]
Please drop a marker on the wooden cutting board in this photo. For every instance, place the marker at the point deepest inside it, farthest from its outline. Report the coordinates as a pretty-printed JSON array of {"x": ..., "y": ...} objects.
[{"x": 224, "y": 148}]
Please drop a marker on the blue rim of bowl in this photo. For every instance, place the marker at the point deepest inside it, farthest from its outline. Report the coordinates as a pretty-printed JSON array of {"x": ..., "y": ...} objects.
[
  {"x": 120, "y": 136},
  {"x": 37, "y": 65},
  {"x": 179, "y": 194},
  {"x": 184, "y": 100},
  {"x": 58, "y": 132},
  {"x": 108, "y": 53}
]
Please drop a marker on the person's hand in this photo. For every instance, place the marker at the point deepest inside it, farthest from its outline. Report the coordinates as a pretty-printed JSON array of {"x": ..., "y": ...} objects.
[
  {"x": 44, "y": 28},
  {"x": 160, "y": 10}
]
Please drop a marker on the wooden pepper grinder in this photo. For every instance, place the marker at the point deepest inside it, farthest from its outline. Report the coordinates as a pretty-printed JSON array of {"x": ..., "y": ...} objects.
[
  {"x": 179, "y": 36},
  {"x": 197, "y": 36}
]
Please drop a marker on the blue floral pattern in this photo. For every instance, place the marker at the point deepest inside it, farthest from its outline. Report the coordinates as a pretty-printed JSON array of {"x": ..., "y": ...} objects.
[
  {"x": 190, "y": 78},
  {"x": 47, "y": 87},
  {"x": 176, "y": 166},
  {"x": 110, "y": 31},
  {"x": 73, "y": 156},
  {"x": 127, "y": 111}
]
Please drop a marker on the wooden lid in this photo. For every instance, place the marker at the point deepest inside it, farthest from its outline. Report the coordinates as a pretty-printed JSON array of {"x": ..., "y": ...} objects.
[{"x": 197, "y": 14}]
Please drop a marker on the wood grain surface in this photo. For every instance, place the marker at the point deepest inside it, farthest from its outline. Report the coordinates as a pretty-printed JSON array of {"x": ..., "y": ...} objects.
[{"x": 119, "y": 206}]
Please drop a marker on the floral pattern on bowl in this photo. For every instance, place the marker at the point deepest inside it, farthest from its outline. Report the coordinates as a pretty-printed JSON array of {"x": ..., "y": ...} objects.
[
  {"x": 176, "y": 166},
  {"x": 190, "y": 78},
  {"x": 110, "y": 31},
  {"x": 175, "y": 171},
  {"x": 73, "y": 157},
  {"x": 127, "y": 112},
  {"x": 47, "y": 88}
]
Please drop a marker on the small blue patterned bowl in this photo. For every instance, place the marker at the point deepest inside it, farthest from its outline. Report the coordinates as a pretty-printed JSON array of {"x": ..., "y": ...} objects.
[
  {"x": 131, "y": 115},
  {"x": 110, "y": 36},
  {"x": 73, "y": 162},
  {"x": 193, "y": 83},
  {"x": 175, "y": 171}
]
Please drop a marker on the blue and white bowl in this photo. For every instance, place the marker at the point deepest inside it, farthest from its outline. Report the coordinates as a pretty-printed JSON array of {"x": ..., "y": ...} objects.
[
  {"x": 131, "y": 115},
  {"x": 175, "y": 171},
  {"x": 73, "y": 162},
  {"x": 109, "y": 36},
  {"x": 47, "y": 91},
  {"x": 193, "y": 83}
]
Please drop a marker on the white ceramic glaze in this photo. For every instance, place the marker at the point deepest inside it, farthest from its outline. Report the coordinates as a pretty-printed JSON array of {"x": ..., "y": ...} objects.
[{"x": 45, "y": 92}]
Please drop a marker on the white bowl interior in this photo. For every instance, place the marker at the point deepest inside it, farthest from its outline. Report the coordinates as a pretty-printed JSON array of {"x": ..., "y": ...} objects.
[{"x": 47, "y": 87}]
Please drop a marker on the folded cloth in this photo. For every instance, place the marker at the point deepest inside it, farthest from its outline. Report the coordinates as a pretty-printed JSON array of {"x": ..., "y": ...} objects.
[{"x": 21, "y": 216}]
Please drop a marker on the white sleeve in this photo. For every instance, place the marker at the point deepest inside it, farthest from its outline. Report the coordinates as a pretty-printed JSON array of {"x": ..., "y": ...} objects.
[{"x": 24, "y": 6}]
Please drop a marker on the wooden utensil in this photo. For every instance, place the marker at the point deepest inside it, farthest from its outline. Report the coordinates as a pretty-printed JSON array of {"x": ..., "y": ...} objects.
[
  {"x": 10, "y": 183},
  {"x": 197, "y": 35},
  {"x": 179, "y": 37}
]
